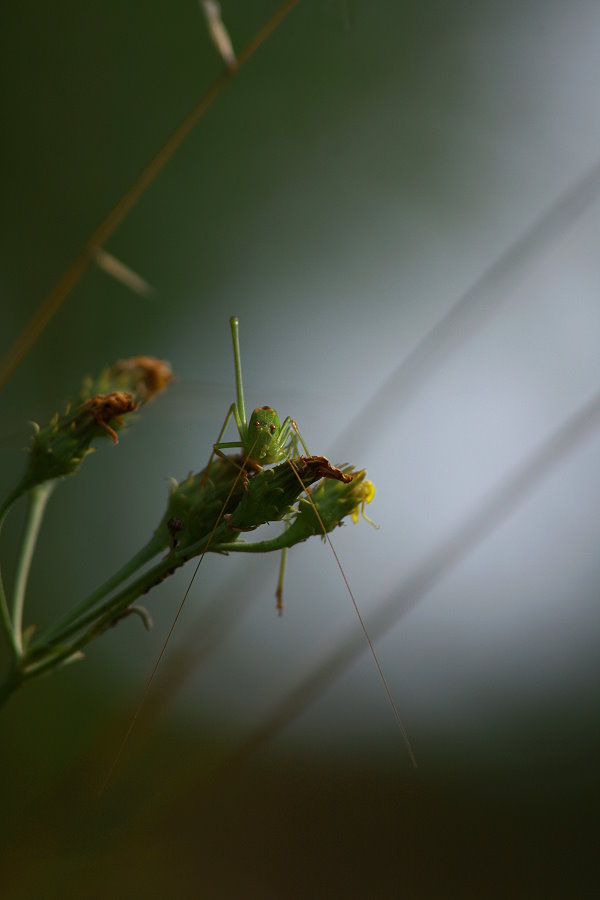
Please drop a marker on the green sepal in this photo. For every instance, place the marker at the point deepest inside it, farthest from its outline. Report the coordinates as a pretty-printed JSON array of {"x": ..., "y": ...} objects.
[
  {"x": 271, "y": 494},
  {"x": 195, "y": 504},
  {"x": 333, "y": 501},
  {"x": 141, "y": 376},
  {"x": 59, "y": 448}
]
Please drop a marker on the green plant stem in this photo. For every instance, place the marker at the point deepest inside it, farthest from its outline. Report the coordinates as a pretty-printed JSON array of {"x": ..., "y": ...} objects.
[
  {"x": 5, "y": 617},
  {"x": 38, "y": 498},
  {"x": 9, "y": 500},
  {"x": 273, "y": 544},
  {"x": 51, "y": 651},
  {"x": 52, "y": 655},
  {"x": 48, "y": 655},
  {"x": 6, "y": 622},
  {"x": 71, "y": 618},
  {"x": 101, "y": 617}
]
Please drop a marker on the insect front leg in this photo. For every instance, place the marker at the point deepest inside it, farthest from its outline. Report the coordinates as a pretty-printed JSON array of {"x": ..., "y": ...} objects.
[{"x": 289, "y": 437}]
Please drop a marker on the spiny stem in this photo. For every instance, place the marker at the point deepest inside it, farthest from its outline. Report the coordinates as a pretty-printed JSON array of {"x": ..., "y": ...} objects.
[
  {"x": 38, "y": 498},
  {"x": 70, "y": 619},
  {"x": 45, "y": 657},
  {"x": 102, "y": 615}
]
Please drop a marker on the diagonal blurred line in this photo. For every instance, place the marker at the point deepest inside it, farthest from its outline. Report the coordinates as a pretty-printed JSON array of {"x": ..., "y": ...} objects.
[
  {"x": 465, "y": 538},
  {"x": 53, "y": 302},
  {"x": 478, "y": 304}
]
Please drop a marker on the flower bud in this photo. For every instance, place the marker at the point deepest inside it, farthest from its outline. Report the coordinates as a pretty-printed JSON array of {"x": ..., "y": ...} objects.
[
  {"x": 331, "y": 502},
  {"x": 271, "y": 493},
  {"x": 195, "y": 504},
  {"x": 58, "y": 448},
  {"x": 141, "y": 376}
]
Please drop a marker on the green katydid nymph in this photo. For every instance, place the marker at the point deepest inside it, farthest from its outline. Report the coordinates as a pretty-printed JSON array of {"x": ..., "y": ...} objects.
[{"x": 264, "y": 439}]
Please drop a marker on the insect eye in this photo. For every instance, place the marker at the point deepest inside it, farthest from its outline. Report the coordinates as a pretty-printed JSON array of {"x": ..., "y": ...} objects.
[
  {"x": 256, "y": 423},
  {"x": 272, "y": 429}
]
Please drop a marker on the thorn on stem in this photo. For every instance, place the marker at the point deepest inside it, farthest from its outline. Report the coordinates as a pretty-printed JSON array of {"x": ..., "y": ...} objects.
[{"x": 140, "y": 611}]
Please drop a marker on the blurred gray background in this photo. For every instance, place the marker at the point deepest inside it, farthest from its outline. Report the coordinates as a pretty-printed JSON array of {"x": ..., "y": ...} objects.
[{"x": 400, "y": 203}]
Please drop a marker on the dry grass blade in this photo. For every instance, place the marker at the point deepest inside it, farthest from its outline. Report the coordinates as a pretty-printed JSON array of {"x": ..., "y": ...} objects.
[{"x": 53, "y": 302}]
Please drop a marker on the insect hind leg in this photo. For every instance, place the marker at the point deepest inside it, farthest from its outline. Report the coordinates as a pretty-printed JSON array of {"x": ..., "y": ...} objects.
[
  {"x": 289, "y": 436},
  {"x": 279, "y": 591},
  {"x": 219, "y": 445}
]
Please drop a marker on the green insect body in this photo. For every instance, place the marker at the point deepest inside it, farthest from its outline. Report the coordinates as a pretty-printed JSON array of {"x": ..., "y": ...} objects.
[
  {"x": 264, "y": 439},
  {"x": 264, "y": 436}
]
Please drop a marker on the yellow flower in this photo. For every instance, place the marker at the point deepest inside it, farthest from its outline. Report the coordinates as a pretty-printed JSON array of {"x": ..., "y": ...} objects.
[{"x": 367, "y": 491}]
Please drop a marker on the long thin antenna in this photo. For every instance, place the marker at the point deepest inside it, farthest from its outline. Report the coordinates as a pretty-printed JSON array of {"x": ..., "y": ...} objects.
[
  {"x": 386, "y": 686},
  {"x": 237, "y": 358}
]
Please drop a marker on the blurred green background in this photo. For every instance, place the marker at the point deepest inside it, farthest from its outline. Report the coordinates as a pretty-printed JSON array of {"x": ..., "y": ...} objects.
[{"x": 369, "y": 167}]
